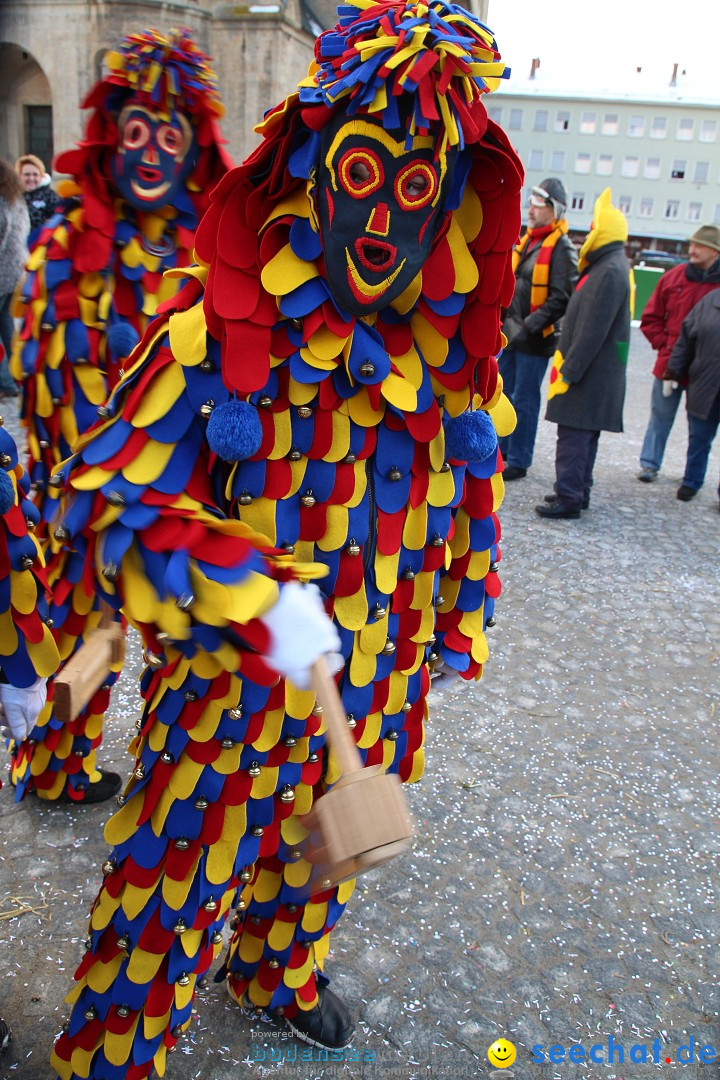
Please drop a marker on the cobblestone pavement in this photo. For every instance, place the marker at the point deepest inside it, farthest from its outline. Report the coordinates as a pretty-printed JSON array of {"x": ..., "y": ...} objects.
[{"x": 562, "y": 887}]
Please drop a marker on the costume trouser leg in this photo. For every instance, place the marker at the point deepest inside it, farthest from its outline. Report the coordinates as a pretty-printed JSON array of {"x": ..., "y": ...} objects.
[
  {"x": 59, "y": 758},
  {"x": 282, "y": 935},
  {"x": 702, "y": 434},
  {"x": 213, "y": 803},
  {"x": 663, "y": 409}
]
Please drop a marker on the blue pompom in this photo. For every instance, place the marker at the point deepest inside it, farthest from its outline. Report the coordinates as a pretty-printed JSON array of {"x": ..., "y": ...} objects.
[
  {"x": 7, "y": 492},
  {"x": 121, "y": 339},
  {"x": 470, "y": 437},
  {"x": 234, "y": 431}
]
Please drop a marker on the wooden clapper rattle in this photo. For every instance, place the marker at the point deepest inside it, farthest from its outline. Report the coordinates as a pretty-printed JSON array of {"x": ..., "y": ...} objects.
[
  {"x": 363, "y": 820},
  {"x": 87, "y": 670}
]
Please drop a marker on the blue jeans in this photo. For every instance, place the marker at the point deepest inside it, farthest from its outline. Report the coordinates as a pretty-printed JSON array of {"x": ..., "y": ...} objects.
[
  {"x": 6, "y": 335},
  {"x": 522, "y": 375},
  {"x": 702, "y": 433},
  {"x": 662, "y": 415}
]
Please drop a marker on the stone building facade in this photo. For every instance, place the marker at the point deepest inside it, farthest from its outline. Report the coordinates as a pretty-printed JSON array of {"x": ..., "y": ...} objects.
[{"x": 51, "y": 53}]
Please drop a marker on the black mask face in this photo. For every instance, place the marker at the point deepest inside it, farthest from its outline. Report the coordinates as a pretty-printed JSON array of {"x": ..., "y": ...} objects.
[
  {"x": 153, "y": 157},
  {"x": 379, "y": 207}
]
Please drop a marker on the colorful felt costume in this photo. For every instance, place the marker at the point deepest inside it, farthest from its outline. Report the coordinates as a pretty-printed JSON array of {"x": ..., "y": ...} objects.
[
  {"x": 141, "y": 182},
  {"x": 361, "y": 438},
  {"x": 27, "y": 647}
]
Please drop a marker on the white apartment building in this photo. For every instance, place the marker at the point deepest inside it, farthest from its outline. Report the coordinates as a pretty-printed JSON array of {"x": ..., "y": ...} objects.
[{"x": 657, "y": 148}]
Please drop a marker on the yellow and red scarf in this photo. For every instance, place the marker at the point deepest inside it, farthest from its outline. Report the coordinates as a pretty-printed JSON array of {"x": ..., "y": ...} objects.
[{"x": 549, "y": 234}]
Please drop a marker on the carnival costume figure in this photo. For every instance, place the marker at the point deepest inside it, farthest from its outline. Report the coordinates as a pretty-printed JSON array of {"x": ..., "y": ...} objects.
[
  {"x": 140, "y": 184},
  {"x": 320, "y": 400},
  {"x": 28, "y": 654}
]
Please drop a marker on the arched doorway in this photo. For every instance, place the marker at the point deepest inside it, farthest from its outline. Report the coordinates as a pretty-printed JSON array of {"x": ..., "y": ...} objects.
[{"x": 26, "y": 124}]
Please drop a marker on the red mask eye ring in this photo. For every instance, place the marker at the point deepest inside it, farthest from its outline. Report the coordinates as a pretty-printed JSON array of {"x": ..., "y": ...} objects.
[
  {"x": 360, "y": 172},
  {"x": 170, "y": 139},
  {"x": 136, "y": 133},
  {"x": 416, "y": 185}
]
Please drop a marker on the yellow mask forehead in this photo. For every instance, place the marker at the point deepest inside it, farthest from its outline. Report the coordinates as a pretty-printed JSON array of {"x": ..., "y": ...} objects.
[{"x": 373, "y": 133}]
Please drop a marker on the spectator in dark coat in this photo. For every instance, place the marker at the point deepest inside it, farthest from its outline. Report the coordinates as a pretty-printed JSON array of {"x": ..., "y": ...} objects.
[
  {"x": 40, "y": 196},
  {"x": 675, "y": 295},
  {"x": 587, "y": 381},
  {"x": 545, "y": 266},
  {"x": 696, "y": 356}
]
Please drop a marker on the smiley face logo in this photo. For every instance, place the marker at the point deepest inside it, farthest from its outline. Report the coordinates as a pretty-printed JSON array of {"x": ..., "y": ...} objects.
[{"x": 502, "y": 1054}]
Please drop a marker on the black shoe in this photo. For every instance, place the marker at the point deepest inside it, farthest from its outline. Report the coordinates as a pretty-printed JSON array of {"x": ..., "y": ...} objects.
[
  {"x": 512, "y": 472},
  {"x": 584, "y": 505},
  {"x": 685, "y": 493},
  {"x": 557, "y": 509},
  {"x": 647, "y": 475},
  {"x": 328, "y": 1025},
  {"x": 5, "y": 1036},
  {"x": 97, "y": 791}
]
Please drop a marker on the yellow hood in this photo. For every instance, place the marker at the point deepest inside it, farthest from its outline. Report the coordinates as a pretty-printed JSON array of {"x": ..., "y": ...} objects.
[{"x": 608, "y": 225}]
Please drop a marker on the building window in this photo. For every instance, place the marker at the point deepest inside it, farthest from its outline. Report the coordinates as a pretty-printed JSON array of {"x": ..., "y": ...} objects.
[
  {"x": 651, "y": 170},
  {"x": 694, "y": 211},
  {"x": 672, "y": 209},
  {"x": 685, "y": 129},
  {"x": 562, "y": 120},
  {"x": 578, "y": 200},
  {"x": 678, "y": 170},
  {"x": 536, "y": 159},
  {"x": 516, "y": 118},
  {"x": 39, "y": 132},
  {"x": 588, "y": 123},
  {"x": 702, "y": 172},
  {"x": 557, "y": 161},
  {"x": 495, "y": 114},
  {"x": 646, "y": 208},
  {"x": 630, "y": 166},
  {"x": 658, "y": 127},
  {"x": 582, "y": 163},
  {"x": 541, "y": 120},
  {"x": 610, "y": 124},
  {"x": 625, "y": 205},
  {"x": 708, "y": 131},
  {"x": 604, "y": 165},
  {"x": 636, "y": 126},
  {"x": 716, "y": 215}
]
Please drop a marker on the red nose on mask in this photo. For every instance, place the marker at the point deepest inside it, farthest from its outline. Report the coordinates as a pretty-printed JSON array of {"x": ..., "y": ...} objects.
[{"x": 379, "y": 220}]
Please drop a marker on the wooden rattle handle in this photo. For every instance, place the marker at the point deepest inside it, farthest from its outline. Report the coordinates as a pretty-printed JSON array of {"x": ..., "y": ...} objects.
[{"x": 338, "y": 733}]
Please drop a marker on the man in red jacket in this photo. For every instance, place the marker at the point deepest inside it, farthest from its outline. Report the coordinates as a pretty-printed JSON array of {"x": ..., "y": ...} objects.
[{"x": 677, "y": 293}]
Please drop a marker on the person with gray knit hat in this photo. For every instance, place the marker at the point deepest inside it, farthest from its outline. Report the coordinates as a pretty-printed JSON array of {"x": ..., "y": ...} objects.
[
  {"x": 545, "y": 266},
  {"x": 675, "y": 295},
  {"x": 14, "y": 229}
]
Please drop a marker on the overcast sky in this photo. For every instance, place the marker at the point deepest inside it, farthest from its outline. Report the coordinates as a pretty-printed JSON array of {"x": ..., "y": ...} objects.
[{"x": 608, "y": 36}]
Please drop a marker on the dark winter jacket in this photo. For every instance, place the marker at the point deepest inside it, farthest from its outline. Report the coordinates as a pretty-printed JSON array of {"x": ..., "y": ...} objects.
[
  {"x": 523, "y": 329},
  {"x": 697, "y": 355},
  {"x": 594, "y": 343},
  {"x": 41, "y": 204},
  {"x": 675, "y": 295}
]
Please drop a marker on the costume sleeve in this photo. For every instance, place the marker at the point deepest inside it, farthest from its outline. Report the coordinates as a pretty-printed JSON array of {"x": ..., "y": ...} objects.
[
  {"x": 683, "y": 353},
  {"x": 470, "y": 584},
  {"x": 27, "y": 648},
  {"x": 59, "y": 353},
  {"x": 563, "y": 277},
  {"x": 146, "y": 512}
]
